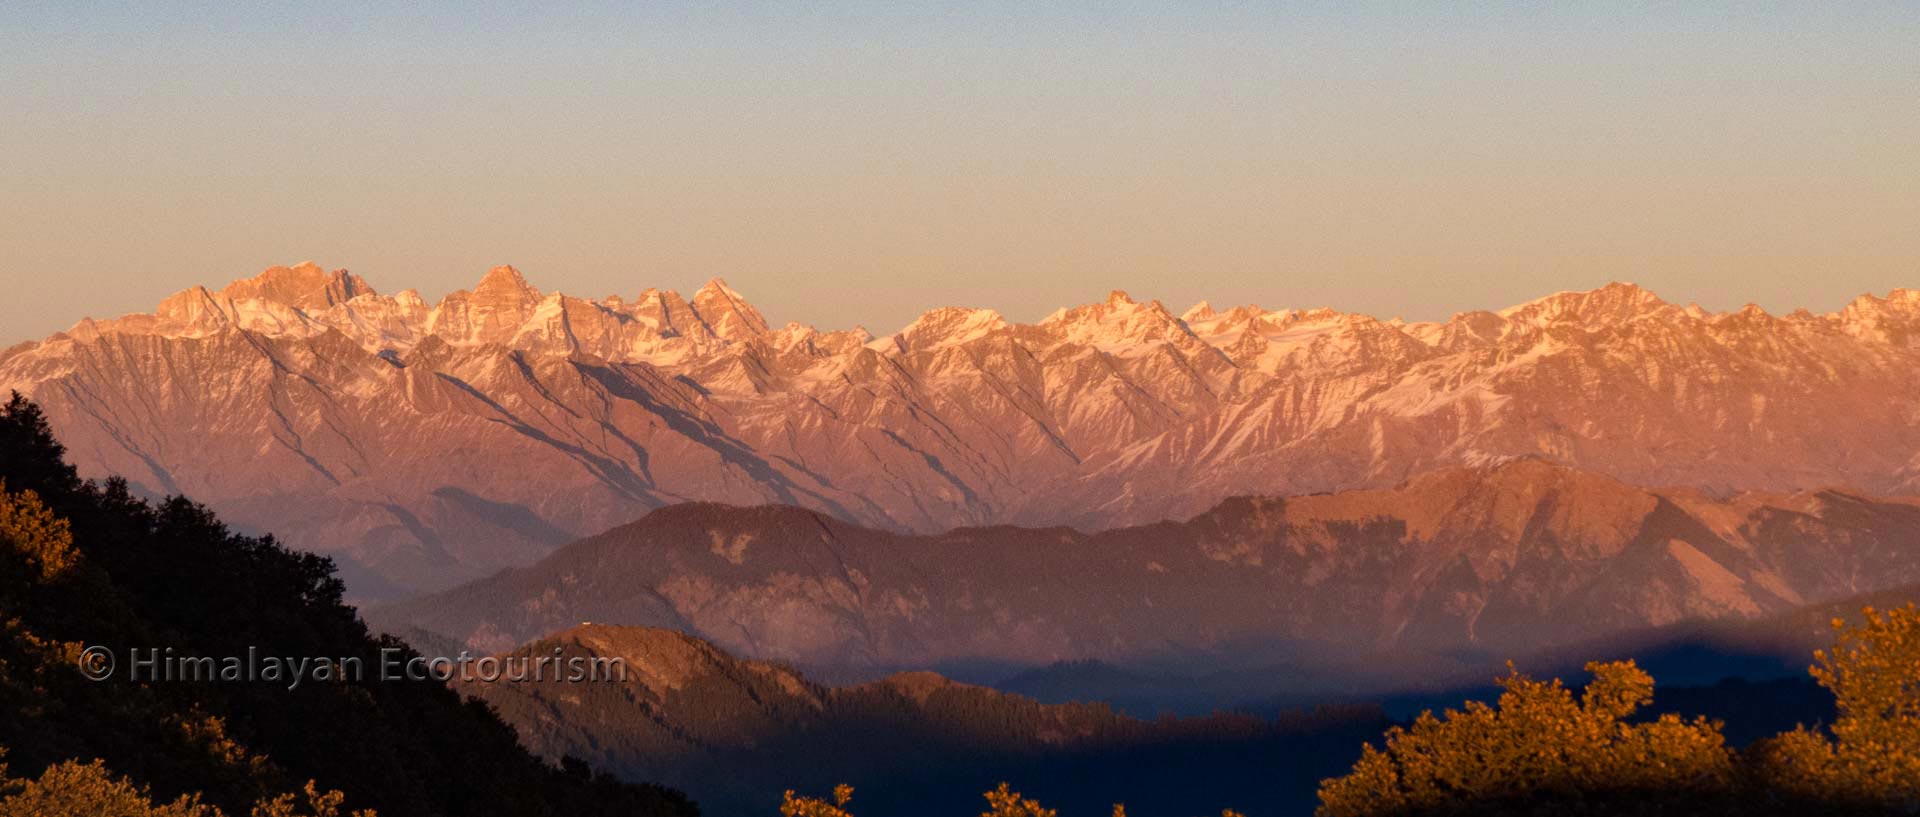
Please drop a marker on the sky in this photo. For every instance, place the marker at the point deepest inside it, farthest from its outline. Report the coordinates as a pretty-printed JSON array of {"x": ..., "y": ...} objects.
[{"x": 857, "y": 163}]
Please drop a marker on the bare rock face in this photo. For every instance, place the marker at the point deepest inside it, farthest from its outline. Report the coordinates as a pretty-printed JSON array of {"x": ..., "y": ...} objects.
[
  {"x": 305, "y": 286},
  {"x": 1495, "y": 559},
  {"x": 426, "y": 444},
  {"x": 493, "y": 312},
  {"x": 726, "y": 313}
]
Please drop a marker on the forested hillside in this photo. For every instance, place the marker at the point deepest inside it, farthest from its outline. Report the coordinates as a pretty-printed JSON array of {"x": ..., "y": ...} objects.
[{"x": 85, "y": 564}]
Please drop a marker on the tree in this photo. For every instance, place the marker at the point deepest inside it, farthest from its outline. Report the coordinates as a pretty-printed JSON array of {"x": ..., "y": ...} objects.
[
  {"x": 1871, "y": 754},
  {"x": 88, "y": 790},
  {"x": 318, "y": 804},
  {"x": 1539, "y": 752},
  {"x": 792, "y": 806},
  {"x": 1539, "y": 744},
  {"x": 1005, "y": 802},
  {"x": 35, "y": 535},
  {"x": 90, "y": 564}
]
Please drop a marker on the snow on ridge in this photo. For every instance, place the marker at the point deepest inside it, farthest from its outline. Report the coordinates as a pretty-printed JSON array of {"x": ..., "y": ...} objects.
[{"x": 661, "y": 326}]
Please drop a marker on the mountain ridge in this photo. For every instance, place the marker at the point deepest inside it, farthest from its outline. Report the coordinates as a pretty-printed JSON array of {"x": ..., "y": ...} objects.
[
  {"x": 735, "y": 733},
  {"x": 365, "y": 426},
  {"x": 1473, "y": 562}
]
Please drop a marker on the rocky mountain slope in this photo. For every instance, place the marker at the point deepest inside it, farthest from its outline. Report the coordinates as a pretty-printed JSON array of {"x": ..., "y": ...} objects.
[
  {"x": 1487, "y": 560},
  {"x": 425, "y": 444}
]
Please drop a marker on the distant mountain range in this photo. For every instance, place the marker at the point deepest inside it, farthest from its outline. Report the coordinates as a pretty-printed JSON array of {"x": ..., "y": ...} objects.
[
  {"x": 427, "y": 444},
  {"x": 1465, "y": 565}
]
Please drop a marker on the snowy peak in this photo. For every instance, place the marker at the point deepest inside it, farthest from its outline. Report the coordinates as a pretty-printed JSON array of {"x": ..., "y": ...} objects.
[
  {"x": 949, "y": 326},
  {"x": 669, "y": 314},
  {"x": 1894, "y": 319},
  {"x": 1612, "y": 305},
  {"x": 505, "y": 285},
  {"x": 492, "y": 313},
  {"x": 661, "y": 326},
  {"x": 188, "y": 304},
  {"x": 1109, "y": 412},
  {"x": 1198, "y": 312},
  {"x": 1119, "y": 326},
  {"x": 726, "y": 313}
]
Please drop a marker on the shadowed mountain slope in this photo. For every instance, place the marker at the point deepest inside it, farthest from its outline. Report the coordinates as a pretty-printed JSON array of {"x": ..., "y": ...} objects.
[
  {"x": 1491, "y": 561},
  {"x": 735, "y": 734}
]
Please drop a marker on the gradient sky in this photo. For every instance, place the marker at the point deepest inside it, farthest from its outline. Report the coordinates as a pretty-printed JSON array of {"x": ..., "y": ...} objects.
[{"x": 845, "y": 163}]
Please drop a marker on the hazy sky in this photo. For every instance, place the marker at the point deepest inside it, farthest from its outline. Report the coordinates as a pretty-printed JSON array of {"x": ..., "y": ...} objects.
[{"x": 845, "y": 163}]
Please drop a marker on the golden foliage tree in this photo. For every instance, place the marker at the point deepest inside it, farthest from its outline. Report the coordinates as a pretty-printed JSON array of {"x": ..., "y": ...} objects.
[
  {"x": 74, "y": 789},
  {"x": 317, "y": 804},
  {"x": 32, "y": 533},
  {"x": 1539, "y": 741},
  {"x": 1005, "y": 802},
  {"x": 88, "y": 790},
  {"x": 791, "y": 806},
  {"x": 1871, "y": 754}
]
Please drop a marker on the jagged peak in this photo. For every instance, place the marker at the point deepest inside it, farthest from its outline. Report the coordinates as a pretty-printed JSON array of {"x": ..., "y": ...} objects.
[
  {"x": 1893, "y": 318},
  {"x": 1120, "y": 325},
  {"x": 299, "y": 300},
  {"x": 949, "y": 326},
  {"x": 182, "y": 304},
  {"x": 1158, "y": 308},
  {"x": 716, "y": 284},
  {"x": 1617, "y": 302},
  {"x": 795, "y": 335},
  {"x": 1868, "y": 302},
  {"x": 1249, "y": 315},
  {"x": 666, "y": 305},
  {"x": 726, "y": 312},
  {"x": 505, "y": 279},
  {"x": 1118, "y": 303},
  {"x": 305, "y": 285}
]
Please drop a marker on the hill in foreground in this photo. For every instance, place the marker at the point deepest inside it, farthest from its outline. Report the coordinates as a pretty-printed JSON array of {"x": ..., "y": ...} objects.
[
  {"x": 89, "y": 565},
  {"x": 734, "y": 734}
]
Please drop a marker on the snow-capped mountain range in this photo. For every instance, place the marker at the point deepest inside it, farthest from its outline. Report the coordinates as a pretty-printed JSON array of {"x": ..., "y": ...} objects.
[{"x": 428, "y": 444}]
